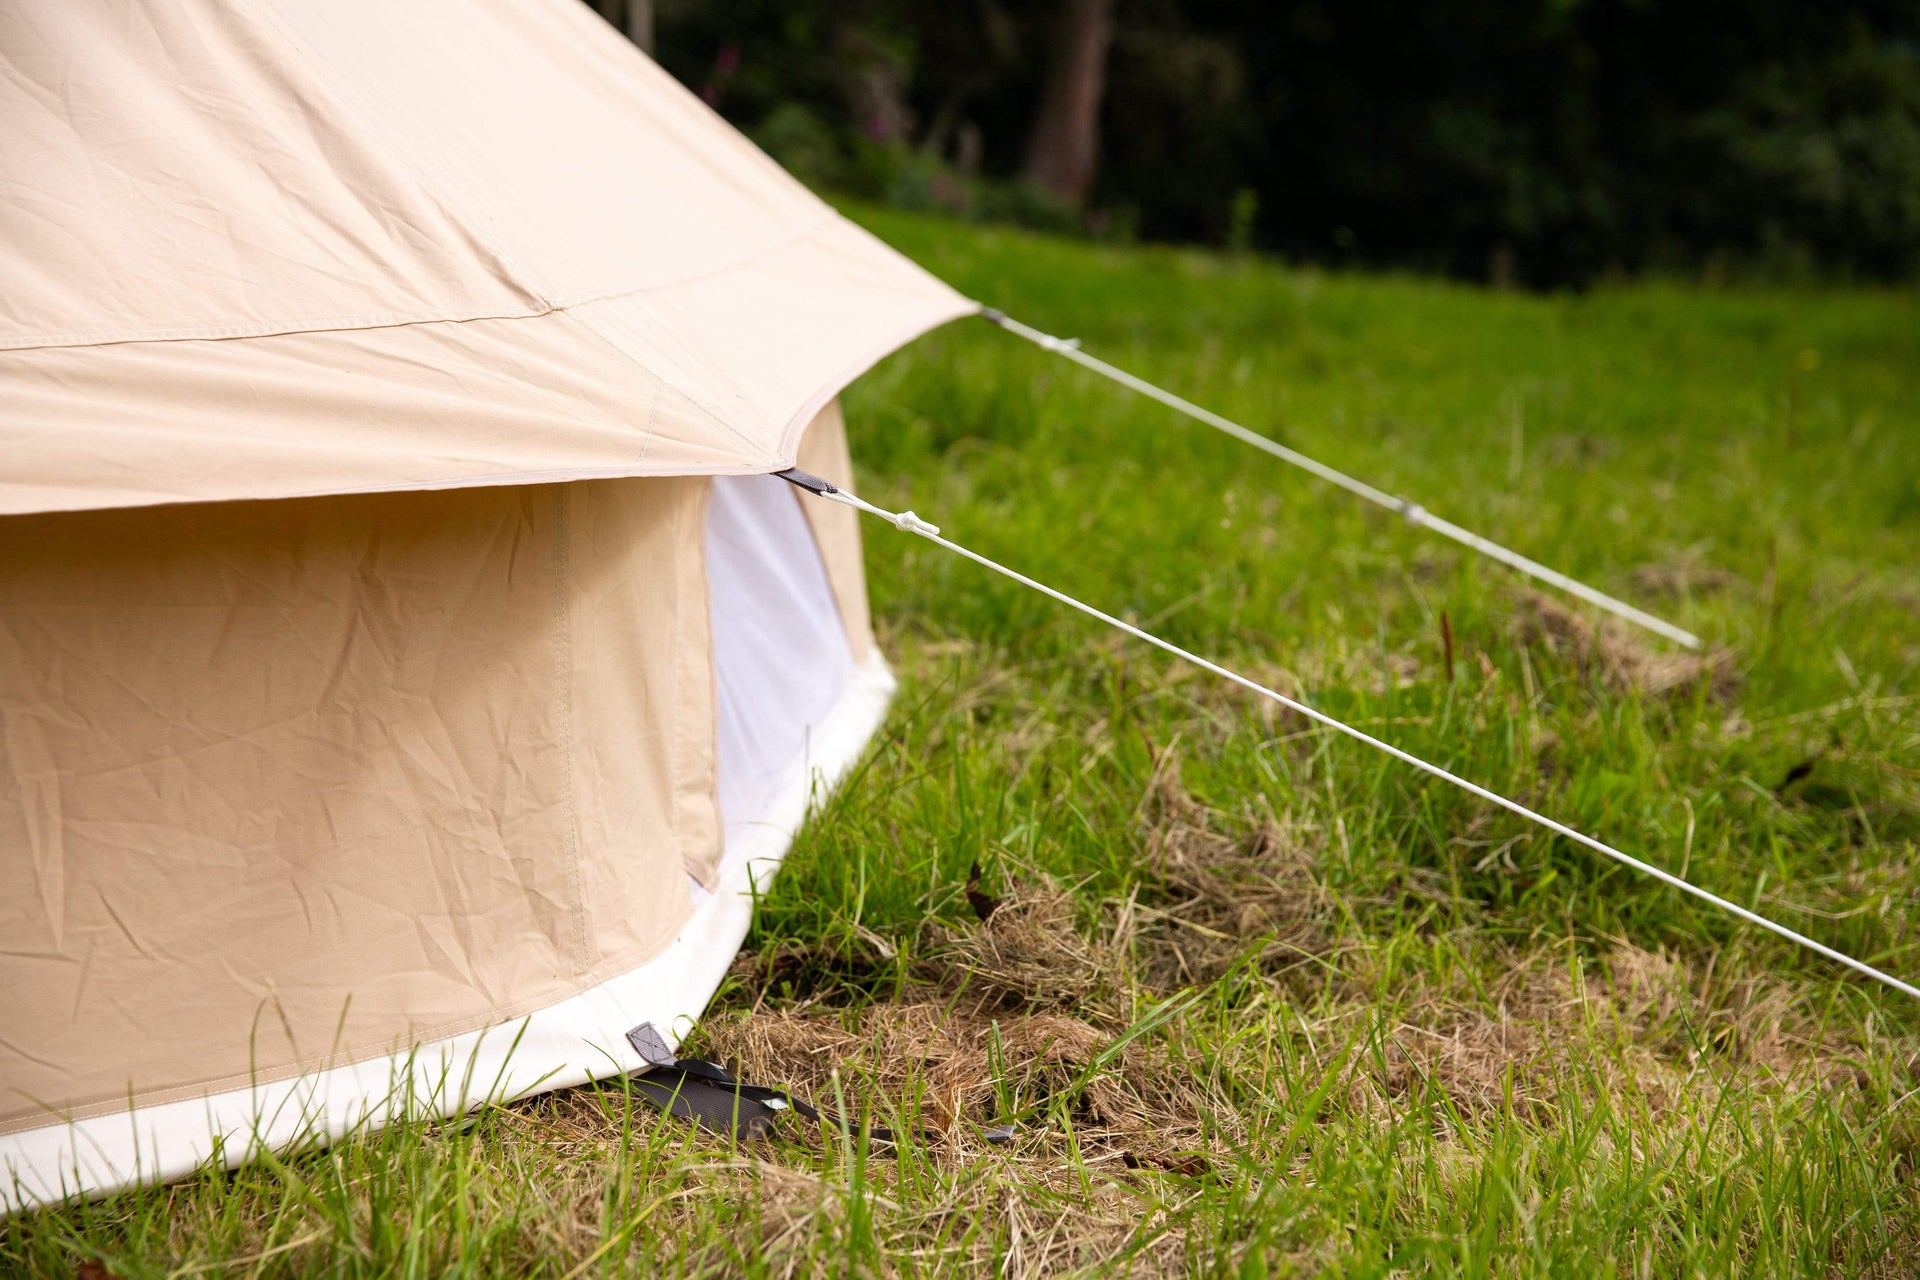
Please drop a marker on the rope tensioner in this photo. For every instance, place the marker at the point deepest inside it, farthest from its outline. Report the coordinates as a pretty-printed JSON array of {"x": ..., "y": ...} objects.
[
  {"x": 1414, "y": 513},
  {"x": 910, "y": 523}
]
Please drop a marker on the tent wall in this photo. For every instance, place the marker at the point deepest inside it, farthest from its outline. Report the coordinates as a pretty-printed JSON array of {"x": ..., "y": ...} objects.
[
  {"x": 389, "y": 595},
  {"x": 446, "y": 754},
  {"x": 427, "y": 761}
]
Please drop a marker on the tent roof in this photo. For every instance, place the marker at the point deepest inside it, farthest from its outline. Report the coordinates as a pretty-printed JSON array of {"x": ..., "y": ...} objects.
[{"x": 271, "y": 248}]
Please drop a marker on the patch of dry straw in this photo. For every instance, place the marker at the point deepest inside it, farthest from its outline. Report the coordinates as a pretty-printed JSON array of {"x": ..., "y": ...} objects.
[{"x": 1619, "y": 654}]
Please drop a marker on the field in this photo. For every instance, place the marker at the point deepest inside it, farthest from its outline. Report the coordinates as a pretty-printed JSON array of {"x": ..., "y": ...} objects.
[{"x": 1261, "y": 1001}]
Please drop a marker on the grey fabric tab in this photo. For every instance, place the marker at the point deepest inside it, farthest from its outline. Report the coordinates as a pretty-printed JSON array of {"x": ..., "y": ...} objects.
[{"x": 651, "y": 1046}]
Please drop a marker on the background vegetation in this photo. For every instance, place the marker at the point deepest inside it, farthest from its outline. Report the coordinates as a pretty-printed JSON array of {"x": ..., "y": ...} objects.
[
  {"x": 1262, "y": 1002},
  {"x": 1546, "y": 142}
]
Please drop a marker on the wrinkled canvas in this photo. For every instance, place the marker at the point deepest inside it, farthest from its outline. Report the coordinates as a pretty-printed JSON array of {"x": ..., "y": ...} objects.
[
  {"x": 283, "y": 248},
  {"x": 284, "y": 784}
]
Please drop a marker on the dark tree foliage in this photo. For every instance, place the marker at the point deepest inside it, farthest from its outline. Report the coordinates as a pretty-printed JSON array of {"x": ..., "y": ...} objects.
[{"x": 1543, "y": 141}]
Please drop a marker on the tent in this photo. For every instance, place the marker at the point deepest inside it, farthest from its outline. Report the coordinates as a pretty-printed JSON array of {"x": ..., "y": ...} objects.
[
  {"x": 410, "y": 661},
  {"x": 406, "y": 662}
]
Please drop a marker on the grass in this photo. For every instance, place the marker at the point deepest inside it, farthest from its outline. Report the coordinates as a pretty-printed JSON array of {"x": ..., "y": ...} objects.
[{"x": 1261, "y": 1001}]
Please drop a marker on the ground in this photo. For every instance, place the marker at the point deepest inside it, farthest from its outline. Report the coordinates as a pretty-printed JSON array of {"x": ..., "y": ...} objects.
[{"x": 1258, "y": 1000}]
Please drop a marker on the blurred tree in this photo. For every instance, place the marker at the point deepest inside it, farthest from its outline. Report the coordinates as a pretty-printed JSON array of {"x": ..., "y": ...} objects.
[
  {"x": 634, "y": 17},
  {"x": 1824, "y": 157},
  {"x": 968, "y": 49},
  {"x": 1184, "y": 144},
  {"x": 1063, "y": 151},
  {"x": 1535, "y": 141}
]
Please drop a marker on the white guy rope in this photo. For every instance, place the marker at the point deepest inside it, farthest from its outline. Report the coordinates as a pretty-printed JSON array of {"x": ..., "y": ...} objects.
[
  {"x": 1413, "y": 511},
  {"x": 908, "y": 522}
]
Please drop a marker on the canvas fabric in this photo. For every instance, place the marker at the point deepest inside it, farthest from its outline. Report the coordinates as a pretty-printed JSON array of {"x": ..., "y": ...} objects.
[
  {"x": 836, "y": 528},
  {"x": 283, "y": 248},
  {"x": 362, "y": 366},
  {"x": 287, "y": 783}
]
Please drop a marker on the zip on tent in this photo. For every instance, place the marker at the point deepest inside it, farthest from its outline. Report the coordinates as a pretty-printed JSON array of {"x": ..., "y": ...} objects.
[
  {"x": 1415, "y": 514},
  {"x": 908, "y": 522}
]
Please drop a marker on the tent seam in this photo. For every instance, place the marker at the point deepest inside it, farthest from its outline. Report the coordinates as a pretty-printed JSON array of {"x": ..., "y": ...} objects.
[
  {"x": 710, "y": 691},
  {"x": 74, "y": 340},
  {"x": 563, "y": 661},
  {"x": 565, "y": 313},
  {"x": 676, "y": 749}
]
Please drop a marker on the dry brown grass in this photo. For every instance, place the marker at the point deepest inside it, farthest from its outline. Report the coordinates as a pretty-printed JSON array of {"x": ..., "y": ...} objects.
[
  {"x": 1031, "y": 1203},
  {"x": 1217, "y": 893},
  {"x": 1621, "y": 656},
  {"x": 1029, "y": 952},
  {"x": 1641, "y": 1029},
  {"x": 1681, "y": 575},
  {"x": 1016, "y": 1014},
  {"x": 1025, "y": 1208},
  {"x": 1021, "y": 1010},
  {"x": 1638, "y": 1028}
]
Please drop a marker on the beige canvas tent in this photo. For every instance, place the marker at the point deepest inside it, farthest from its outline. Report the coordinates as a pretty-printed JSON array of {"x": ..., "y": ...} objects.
[{"x": 402, "y": 650}]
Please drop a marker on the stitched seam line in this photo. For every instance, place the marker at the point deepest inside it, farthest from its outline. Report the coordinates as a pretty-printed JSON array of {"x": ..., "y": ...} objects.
[
  {"x": 384, "y": 320},
  {"x": 563, "y": 661}
]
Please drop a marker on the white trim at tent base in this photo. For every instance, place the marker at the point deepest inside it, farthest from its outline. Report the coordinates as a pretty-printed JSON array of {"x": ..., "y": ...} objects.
[{"x": 579, "y": 1039}]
